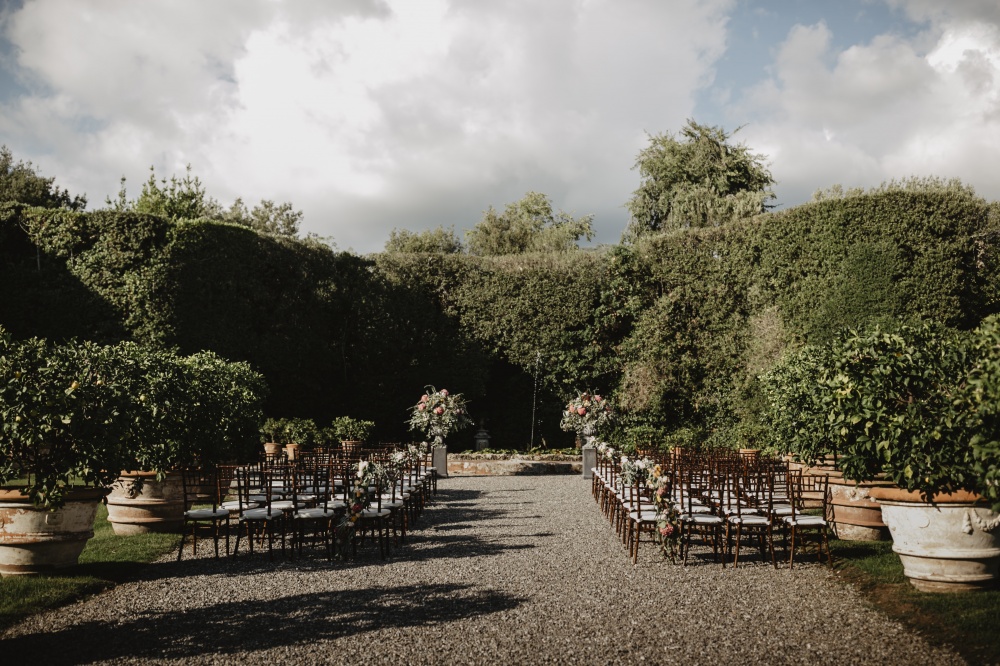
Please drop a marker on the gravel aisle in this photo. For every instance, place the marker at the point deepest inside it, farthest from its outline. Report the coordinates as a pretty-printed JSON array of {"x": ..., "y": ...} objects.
[{"x": 517, "y": 569}]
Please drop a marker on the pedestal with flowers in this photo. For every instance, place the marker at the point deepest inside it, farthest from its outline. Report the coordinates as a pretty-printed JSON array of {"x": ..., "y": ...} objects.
[
  {"x": 586, "y": 415},
  {"x": 435, "y": 416}
]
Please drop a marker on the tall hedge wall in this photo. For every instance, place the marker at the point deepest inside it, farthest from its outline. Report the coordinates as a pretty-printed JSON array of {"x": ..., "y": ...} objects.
[{"x": 677, "y": 326}]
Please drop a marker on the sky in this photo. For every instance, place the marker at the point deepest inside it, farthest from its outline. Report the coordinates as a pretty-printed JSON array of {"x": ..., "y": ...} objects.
[{"x": 373, "y": 115}]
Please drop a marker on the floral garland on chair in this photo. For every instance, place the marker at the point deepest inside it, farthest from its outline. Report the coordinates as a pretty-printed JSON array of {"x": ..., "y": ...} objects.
[
  {"x": 668, "y": 517},
  {"x": 365, "y": 474}
]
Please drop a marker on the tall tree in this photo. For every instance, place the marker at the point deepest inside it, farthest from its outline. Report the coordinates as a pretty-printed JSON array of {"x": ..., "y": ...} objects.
[
  {"x": 528, "y": 225},
  {"x": 20, "y": 182},
  {"x": 696, "y": 180},
  {"x": 266, "y": 216},
  {"x": 186, "y": 199},
  {"x": 438, "y": 240}
]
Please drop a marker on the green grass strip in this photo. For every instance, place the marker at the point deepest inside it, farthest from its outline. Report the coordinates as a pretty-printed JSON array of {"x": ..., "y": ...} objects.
[
  {"x": 966, "y": 621},
  {"x": 107, "y": 560}
]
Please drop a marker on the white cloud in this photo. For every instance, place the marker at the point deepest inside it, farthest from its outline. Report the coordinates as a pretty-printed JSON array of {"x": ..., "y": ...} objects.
[
  {"x": 891, "y": 108},
  {"x": 372, "y": 116}
]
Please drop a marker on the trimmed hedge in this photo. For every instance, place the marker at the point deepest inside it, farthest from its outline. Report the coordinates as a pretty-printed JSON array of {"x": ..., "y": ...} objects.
[{"x": 676, "y": 327}]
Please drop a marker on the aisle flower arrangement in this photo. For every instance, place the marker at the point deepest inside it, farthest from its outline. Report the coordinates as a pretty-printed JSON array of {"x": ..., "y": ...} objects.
[
  {"x": 586, "y": 414},
  {"x": 668, "y": 524},
  {"x": 365, "y": 475},
  {"x": 438, "y": 414},
  {"x": 635, "y": 470}
]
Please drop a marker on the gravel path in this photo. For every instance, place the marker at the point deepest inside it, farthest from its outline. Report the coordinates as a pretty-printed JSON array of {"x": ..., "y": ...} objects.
[{"x": 516, "y": 569}]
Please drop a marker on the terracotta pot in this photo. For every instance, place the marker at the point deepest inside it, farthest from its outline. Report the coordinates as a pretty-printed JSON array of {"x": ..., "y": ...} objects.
[
  {"x": 291, "y": 451},
  {"x": 856, "y": 515},
  {"x": 158, "y": 506},
  {"x": 272, "y": 448},
  {"x": 34, "y": 540},
  {"x": 951, "y": 544},
  {"x": 351, "y": 446}
]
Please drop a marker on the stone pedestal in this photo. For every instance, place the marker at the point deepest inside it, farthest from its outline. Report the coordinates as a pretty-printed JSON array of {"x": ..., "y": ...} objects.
[
  {"x": 439, "y": 458},
  {"x": 589, "y": 459}
]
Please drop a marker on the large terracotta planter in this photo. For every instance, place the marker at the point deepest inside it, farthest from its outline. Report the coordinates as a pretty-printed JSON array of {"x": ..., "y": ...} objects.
[
  {"x": 856, "y": 515},
  {"x": 34, "y": 540},
  {"x": 292, "y": 451},
  {"x": 351, "y": 446},
  {"x": 272, "y": 448},
  {"x": 157, "y": 507},
  {"x": 950, "y": 545}
]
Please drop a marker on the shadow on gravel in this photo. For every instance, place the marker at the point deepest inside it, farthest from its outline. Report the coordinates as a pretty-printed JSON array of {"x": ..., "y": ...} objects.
[{"x": 227, "y": 627}]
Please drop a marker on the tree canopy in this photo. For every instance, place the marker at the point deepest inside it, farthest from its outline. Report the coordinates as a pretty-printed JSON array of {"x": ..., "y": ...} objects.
[
  {"x": 696, "y": 180},
  {"x": 528, "y": 225},
  {"x": 21, "y": 183},
  {"x": 186, "y": 199},
  {"x": 440, "y": 240}
]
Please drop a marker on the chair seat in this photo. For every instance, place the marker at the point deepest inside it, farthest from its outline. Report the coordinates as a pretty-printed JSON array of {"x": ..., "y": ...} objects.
[
  {"x": 701, "y": 519},
  {"x": 260, "y": 514},
  {"x": 207, "y": 514},
  {"x": 314, "y": 513},
  {"x": 282, "y": 505},
  {"x": 805, "y": 521},
  {"x": 375, "y": 513},
  {"x": 749, "y": 519},
  {"x": 643, "y": 516}
]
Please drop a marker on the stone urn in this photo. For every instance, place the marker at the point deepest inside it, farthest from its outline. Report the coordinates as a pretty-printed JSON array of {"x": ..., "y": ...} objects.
[
  {"x": 950, "y": 544},
  {"x": 139, "y": 504},
  {"x": 35, "y": 540}
]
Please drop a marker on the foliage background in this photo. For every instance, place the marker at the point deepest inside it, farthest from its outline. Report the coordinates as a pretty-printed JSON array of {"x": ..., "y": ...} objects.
[{"x": 675, "y": 326}]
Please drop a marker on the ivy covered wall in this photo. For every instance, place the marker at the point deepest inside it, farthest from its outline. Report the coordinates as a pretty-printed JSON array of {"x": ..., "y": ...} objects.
[{"x": 676, "y": 326}]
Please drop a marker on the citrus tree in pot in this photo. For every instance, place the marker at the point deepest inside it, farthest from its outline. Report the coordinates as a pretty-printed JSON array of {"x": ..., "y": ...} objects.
[
  {"x": 62, "y": 442},
  {"x": 351, "y": 432},
  {"x": 185, "y": 412},
  {"x": 904, "y": 405}
]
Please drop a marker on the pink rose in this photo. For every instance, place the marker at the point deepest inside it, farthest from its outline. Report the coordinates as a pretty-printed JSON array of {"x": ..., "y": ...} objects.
[
  {"x": 439, "y": 410},
  {"x": 666, "y": 530},
  {"x": 421, "y": 406},
  {"x": 582, "y": 411},
  {"x": 597, "y": 398},
  {"x": 356, "y": 508},
  {"x": 444, "y": 392},
  {"x": 424, "y": 398}
]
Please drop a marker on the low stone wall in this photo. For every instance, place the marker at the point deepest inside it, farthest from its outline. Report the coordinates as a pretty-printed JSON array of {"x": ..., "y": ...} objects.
[{"x": 501, "y": 466}]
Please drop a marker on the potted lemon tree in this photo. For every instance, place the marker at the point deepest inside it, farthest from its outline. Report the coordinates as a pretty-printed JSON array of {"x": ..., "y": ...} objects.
[
  {"x": 185, "y": 412},
  {"x": 62, "y": 442},
  {"x": 912, "y": 406}
]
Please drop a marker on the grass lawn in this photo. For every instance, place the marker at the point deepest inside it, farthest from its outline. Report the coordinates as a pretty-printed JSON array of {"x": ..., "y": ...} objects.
[
  {"x": 108, "y": 559},
  {"x": 967, "y": 621}
]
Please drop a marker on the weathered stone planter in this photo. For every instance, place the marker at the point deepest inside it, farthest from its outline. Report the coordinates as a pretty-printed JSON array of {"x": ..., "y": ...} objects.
[
  {"x": 950, "y": 545},
  {"x": 157, "y": 507},
  {"x": 856, "y": 515},
  {"x": 34, "y": 540}
]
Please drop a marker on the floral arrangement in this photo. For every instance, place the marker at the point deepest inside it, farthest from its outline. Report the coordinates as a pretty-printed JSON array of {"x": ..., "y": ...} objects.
[
  {"x": 438, "y": 414},
  {"x": 635, "y": 470},
  {"x": 606, "y": 451},
  {"x": 668, "y": 519},
  {"x": 365, "y": 474},
  {"x": 586, "y": 414}
]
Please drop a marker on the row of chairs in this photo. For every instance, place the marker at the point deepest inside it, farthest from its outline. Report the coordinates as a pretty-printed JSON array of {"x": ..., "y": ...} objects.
[
  {"x": 722, "y": 500},
  {"x": 309, "y": 501}
]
